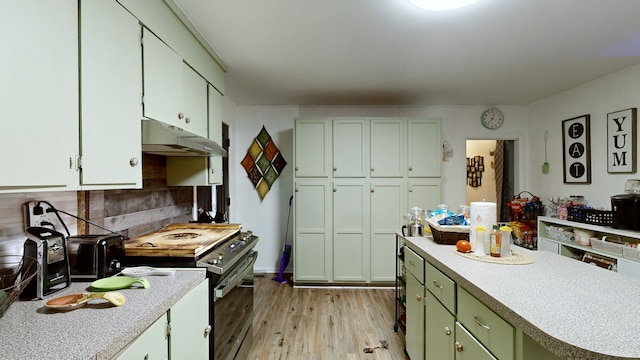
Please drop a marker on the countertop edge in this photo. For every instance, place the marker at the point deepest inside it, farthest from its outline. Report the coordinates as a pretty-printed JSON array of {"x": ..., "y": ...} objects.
[{"x": 555, "y": 345}]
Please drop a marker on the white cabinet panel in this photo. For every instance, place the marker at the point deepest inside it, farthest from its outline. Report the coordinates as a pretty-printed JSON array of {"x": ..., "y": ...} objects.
[
  {"x": 194, "y": 101},
  {"x": 151, "y": 344},
  {"x": 387, "y": 147},
  {"x": 350, "y": 147},
  {"x": 111, "y": 85},
  {"x": 415, "y": 318},
  {"x": 387, "y": 207},
  {"x": 350, "y": 231},
  {"x": 424, "y": 148},
  {"x": 312, "y": 230},
  {"x": 190, "y": 326},
  {"x": 39, "y": 96},
  {"x": 162, "y": 80},
  {"x": 424, "y": 193},
  {"x": 312, "y": 147}
]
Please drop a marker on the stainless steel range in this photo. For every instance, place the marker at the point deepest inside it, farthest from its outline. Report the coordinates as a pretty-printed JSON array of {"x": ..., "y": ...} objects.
[{"x": 227, "y": 254}]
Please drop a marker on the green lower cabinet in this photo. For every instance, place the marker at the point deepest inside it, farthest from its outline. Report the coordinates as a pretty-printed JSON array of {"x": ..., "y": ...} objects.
[
  {"x": 494, "y": 332},
  {"x": 439, "y": 330},
  {"x": 415, "y": 337},
  {"x": 469, "y": 348},
  {"x": 150, "y": 345}
]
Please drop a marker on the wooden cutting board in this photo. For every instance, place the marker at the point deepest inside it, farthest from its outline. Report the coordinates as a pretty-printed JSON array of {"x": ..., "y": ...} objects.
[{"x": 180, "y": 240}]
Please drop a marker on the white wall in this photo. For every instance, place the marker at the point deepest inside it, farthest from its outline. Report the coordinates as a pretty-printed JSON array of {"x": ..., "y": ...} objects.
[
  {"x": 612, "y": 93},
  {"x": 268, "y": 219}
]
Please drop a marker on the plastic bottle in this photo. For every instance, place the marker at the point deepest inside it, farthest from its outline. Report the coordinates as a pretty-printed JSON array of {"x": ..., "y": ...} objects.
[{"x": 494, "y": 237}]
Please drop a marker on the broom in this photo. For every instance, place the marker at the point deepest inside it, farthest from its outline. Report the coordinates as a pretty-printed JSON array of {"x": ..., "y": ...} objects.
[{"x": 286, "y": 251}]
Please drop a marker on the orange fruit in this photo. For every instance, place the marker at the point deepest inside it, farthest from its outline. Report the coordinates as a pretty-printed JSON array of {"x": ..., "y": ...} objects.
[{"x": 463, "y": 246}]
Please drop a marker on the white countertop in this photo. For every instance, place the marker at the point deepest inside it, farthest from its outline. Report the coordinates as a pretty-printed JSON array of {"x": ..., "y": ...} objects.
[
  {"x": 96, "y": 331},
  {"x": 574, "y": 309}
]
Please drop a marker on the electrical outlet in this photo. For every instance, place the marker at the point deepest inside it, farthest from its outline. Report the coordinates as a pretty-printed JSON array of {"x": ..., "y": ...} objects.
[{"x": 36, "y": 216}]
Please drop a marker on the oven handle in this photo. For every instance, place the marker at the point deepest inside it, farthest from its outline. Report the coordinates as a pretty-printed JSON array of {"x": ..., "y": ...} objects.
[{"x": 235, "y": 278}]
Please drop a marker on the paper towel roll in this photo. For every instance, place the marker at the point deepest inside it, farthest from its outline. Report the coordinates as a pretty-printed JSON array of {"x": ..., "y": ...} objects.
[{"x": 481, "y": 214}]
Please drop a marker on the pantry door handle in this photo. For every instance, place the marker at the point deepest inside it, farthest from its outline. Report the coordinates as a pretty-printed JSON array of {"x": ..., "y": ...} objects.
[{"x": 480, "y": 323}]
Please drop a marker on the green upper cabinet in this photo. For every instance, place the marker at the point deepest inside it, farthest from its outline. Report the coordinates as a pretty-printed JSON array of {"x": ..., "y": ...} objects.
[
  {"x": 424, "y": 148},
  {"x": 312, "y": 147},
  {"x": 350, "y": 144},
  {"x": 39, "y": 141},
  {"x": 111, "y": 86},
  {"x": 387, "y": 147}
]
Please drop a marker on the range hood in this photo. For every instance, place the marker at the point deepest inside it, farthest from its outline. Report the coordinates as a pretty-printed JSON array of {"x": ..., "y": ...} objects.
[{"x": 163, "y": 139}]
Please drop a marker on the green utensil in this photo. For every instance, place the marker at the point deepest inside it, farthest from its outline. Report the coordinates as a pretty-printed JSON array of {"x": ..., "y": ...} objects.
[
  {"x": 119, "y": 282},
  {"x": 545, "y": 166}
]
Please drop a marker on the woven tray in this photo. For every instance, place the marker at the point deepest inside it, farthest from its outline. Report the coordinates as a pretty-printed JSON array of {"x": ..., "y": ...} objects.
[{"x": 516, "y": 258}]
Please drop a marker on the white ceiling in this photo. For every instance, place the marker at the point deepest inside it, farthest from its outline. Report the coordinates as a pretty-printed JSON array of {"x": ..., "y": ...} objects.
[{"x": 363, "y": 52}]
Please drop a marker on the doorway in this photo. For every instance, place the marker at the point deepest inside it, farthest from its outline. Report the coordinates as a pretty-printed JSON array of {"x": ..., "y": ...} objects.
[{"x": 491, "y": 172}]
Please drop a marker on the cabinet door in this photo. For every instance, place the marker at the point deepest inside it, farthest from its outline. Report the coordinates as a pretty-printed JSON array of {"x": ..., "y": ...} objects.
[
  {"x": 424, "y": 193},
  {"x": 350, "y": 231},
  {"x": 151, "y": 344},
  {"x": 387, "y": 148},
  {"x": 350, "y": 144},
  {"x": 312, "y": 242},
  {"x": 312, "y": 146},
  {"x": 469, "y": 348},
  {"x": 414, "y": 339},
  {"x": 439, "y": 330},
  {"x": 215, "y": 133},
  {"x": 39, "y": 95},
  {"x": 190, "y": 328},
  {"x": 111, "y": 87},
  {"x": 194, "y": 101},
  {"x": 387, "y": 207},
  {"x": 162, "y": 81},
  {"x": 424, "y": 154}
]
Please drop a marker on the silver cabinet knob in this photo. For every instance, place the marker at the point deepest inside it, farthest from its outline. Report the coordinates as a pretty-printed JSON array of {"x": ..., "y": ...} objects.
[
  {"x": 335, "y": 168},
  {"x": 410, "y": 168},
  {"x": 180, "y": 115},
  {"x": 373, "y": 168},
  {"x": 207, "y": 330},
  {"x": 133, "y": 162},
  {"x": 373, "y": 190},
  {"x": 297, "y": 168},
  {"x": 335, "y": 190},
  {"x": 458, "y": 347},
  {"x": 410, "y": 189},
  {"x": 187, "y": 120},
  {"x": 447, "y": 331}
]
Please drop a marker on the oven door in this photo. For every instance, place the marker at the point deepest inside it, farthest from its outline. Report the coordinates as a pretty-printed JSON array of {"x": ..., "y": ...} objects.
[{"x": 233, "y": 308}]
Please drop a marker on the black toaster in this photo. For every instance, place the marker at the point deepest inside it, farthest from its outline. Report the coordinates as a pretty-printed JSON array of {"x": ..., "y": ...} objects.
[{"x": 94, "y": 257}]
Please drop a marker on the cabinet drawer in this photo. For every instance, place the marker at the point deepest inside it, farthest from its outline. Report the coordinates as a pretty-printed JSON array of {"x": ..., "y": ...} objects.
[
  {"x": 468, "y": 348},
  {"x": 490, "y": 329},
  {"x": 443, "y": 288},
  {"x": 414, "y": 264}
]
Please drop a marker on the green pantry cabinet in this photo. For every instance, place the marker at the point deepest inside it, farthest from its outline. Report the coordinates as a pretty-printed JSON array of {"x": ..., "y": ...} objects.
[
  {"x": 181, "y": 333},
  {"x": 354, "y": 179},
  {"x": 446, "y": 322}
]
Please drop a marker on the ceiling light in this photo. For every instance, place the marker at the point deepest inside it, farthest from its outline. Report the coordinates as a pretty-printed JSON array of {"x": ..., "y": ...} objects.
[{"x": 439, "y": 5}]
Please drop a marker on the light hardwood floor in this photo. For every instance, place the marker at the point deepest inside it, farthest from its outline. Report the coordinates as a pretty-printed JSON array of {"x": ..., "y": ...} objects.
[{"x": 321, "y": 323}]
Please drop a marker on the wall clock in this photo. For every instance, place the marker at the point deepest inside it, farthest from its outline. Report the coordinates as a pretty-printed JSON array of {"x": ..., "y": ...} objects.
[{"x": 492, "y": 118}]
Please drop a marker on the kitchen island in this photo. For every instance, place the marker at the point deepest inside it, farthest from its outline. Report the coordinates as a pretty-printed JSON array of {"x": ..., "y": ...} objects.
[
  {"x": 97, "y": 330},
  {"x": 573, "y": 309}
]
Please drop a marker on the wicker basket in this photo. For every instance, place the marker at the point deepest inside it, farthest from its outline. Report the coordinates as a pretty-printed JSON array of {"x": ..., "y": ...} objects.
[
  {"x": 448, "y": 234},
  {"x": 15, "y": 273}
]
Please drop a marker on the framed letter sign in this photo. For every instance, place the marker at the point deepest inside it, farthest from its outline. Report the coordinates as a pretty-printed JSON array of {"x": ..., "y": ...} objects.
[
  {"x": 621, "y": 141},
  {"x": 576, "y": 147}
]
